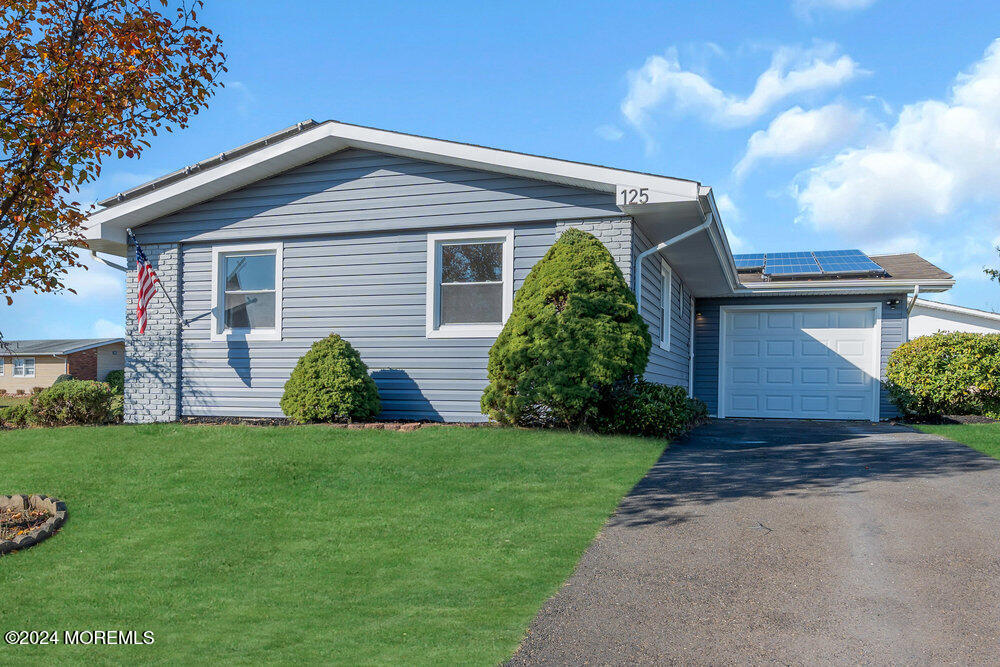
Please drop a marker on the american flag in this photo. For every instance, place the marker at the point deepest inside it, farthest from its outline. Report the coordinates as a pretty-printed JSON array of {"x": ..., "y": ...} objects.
[{"x": 147, "y": 285}]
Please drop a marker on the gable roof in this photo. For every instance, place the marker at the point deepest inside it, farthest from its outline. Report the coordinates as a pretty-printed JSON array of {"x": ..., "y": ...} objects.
[
  {"x": 57, "y": 346},
  {"x": 959, "y": 310},
  {"x": 308, "y": 141}
]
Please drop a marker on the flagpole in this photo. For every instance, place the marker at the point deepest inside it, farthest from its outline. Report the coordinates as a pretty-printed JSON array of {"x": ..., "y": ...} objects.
[{"x": 164, "y": 290}]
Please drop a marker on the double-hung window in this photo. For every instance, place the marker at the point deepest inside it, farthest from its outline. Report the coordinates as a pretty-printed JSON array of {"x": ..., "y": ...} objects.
[
  {"x": 470, "y": 283},
  {"x": 246, "y": 289},
  {"x": 24, "y": 367},
  {"x": 666, "y": 299}
]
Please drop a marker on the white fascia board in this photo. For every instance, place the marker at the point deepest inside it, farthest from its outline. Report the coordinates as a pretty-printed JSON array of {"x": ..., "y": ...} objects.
[
  {"x": 107, "y": 226},
  {"x": 960, "y": 310},
  {"x": 843, "y": 287}
]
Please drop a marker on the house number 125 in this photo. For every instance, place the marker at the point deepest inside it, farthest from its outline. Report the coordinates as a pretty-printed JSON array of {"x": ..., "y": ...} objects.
[{"x": 634, "y": 196}]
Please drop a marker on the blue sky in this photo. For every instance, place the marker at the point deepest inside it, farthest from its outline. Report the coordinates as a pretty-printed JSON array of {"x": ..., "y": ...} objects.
[{"x": 821, "y": 124}]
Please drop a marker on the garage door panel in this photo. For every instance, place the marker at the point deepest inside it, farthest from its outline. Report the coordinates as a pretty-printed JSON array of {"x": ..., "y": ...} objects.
[{"x": 810, "y": 363}]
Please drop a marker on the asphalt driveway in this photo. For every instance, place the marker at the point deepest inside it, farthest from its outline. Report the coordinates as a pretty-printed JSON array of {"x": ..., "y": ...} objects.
[{"x": 790, "y": 542}]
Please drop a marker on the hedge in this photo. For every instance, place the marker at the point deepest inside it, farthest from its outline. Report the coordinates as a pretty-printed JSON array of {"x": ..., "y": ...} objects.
[{"x": 946, "y": 374}]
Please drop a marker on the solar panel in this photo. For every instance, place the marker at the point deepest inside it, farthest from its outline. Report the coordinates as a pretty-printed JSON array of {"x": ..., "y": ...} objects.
[
  {"x": 790, "y": 263},
  {"x": 846, "y": 261},
  {"x": 749, "y": 261}
]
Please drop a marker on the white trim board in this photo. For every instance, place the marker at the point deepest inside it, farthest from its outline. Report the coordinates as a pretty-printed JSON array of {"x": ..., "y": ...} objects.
[{"x": 876, "y": 362}]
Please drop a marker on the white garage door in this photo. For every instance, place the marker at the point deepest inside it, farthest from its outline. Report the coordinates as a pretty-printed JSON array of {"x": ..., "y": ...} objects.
[{"x": 814, "y": 363}]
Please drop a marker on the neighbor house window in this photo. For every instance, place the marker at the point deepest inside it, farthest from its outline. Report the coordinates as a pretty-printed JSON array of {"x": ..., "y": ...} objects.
[
  {"x": 1, "y": 366},
  {"x": 470, "y": 283},
  {"x": 247, "y": 292},
  {"x": 24, "y": 367},
  {"x": 666, "y": 298}
]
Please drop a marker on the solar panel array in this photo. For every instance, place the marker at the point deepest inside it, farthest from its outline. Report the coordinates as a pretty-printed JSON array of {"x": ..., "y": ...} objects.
[
  {"x": 819, "y": 262},
  {"x": 750, "y": 261},
  {"x": 846, "y": 261}
]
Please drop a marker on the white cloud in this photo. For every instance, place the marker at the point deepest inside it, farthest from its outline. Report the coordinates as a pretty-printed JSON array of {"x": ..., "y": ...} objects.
[
  {"x": 731, "y": 219},
  {"x": 609, "y": 132},
  {"x": 797, "y": 133},
  {"x": 938, "y": 161},
  {"x": 806, "y": 8},
  {"x": 97, "y": 281},
  {"x": 245, "y": 99},
  {"x": 661, "y": 82},
  {"x": 107, "y": 329}
]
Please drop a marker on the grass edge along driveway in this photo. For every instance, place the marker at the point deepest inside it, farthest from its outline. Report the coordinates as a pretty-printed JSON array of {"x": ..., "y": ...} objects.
[
  {"x": 981, "y": 437},
  {"x": 305, "y": 544}
]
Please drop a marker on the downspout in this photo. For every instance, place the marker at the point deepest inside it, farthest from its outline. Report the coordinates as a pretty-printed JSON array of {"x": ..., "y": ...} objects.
[
  {"x": 657, "y": 248},
  {"x": 691, "y": 353},
  {"x": 913, "y": 301},
  {"x": 93, "y": 253}
]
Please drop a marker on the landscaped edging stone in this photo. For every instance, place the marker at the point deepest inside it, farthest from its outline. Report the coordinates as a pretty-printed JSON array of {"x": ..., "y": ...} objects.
[{"x": 20, "y": 502}]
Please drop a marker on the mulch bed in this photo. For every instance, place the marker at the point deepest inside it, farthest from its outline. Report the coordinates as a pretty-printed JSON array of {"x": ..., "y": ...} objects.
[
  {"x": 391, "y": 425},
  {"x": 951, "y": 419},
  {"x": 27, "y": 520}
]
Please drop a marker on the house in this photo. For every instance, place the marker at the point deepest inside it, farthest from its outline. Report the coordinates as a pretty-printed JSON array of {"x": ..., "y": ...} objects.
[
  {"x": 26, "y": 364},
  {"x": 928, "y": 317},
  {"x": 331, "y": 227}
]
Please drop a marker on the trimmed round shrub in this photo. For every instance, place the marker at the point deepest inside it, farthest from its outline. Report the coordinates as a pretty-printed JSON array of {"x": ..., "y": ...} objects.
[
  {"x": 72, "y": 402},
  {"x": 65, "y": 377},
  {"x": 648, "y": 409},
  {"x": 117, "y": 381},
  {"x": 330, "y": 383},
  {"x": 18, "y": 415},
  {"x": 574, "y": 332},
  {"x": 946, "y": 374}
]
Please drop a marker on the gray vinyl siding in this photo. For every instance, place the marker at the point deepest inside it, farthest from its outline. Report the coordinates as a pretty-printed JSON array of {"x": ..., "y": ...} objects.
[
  {"x": 357, "y": 190},
  {"x": 671, "y": 366},
  {"x": 369, "y": 288},
  {"x": 706, "y": 344}
]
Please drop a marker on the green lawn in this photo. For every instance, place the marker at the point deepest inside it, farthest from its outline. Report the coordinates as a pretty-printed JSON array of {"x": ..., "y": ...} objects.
[
  {"x": 984, "y": 437},
  {"x": 305, "y": 544}
]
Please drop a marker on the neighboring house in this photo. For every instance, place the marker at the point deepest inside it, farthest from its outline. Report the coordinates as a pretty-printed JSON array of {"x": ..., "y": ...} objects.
[
  {"x": 330, "y": 227},
  {"x": 928, "y": 317},
  {"x": 27, "y": 364}
]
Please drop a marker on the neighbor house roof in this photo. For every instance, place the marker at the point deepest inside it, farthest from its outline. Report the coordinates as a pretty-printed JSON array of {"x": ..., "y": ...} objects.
[
  {"x": 56, "y": 346},
  {"x": 961, "y": 310}
]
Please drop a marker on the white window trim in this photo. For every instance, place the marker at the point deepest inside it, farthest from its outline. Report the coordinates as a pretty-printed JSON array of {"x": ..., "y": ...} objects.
[
  {"x": 1, "y": 366},
  {"x": 666, "y": 302},
  {"x": 24, "y": 363},
  {"x": 218, "y": 300},
  {"x": 434, "y": 242}
]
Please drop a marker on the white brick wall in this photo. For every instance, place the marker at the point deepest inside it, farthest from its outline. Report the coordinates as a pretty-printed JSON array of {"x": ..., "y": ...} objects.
[
  {"x": 615, "y": 233},
  {"x": 152, "y": 359}
]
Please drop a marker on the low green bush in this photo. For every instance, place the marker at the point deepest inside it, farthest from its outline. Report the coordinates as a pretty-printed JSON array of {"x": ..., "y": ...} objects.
[
  {"x": 18, "y": 415},
  {"x": 65, "y": 377},
  {"x": 946, "y": 374},
  {"x": 330, "y": 383},
  {"x": 648, "y": 409},
  {"x": 117, "y": 381},
  {"x": 72, "y": 402}
]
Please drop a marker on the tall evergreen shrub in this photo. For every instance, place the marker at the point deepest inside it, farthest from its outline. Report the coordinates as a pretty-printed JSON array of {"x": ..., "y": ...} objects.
[{"x": 574, "y": 332}]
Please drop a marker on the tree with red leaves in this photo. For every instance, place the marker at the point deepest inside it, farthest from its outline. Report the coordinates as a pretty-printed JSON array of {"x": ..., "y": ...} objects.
[{"x": 82, "y": 81}]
